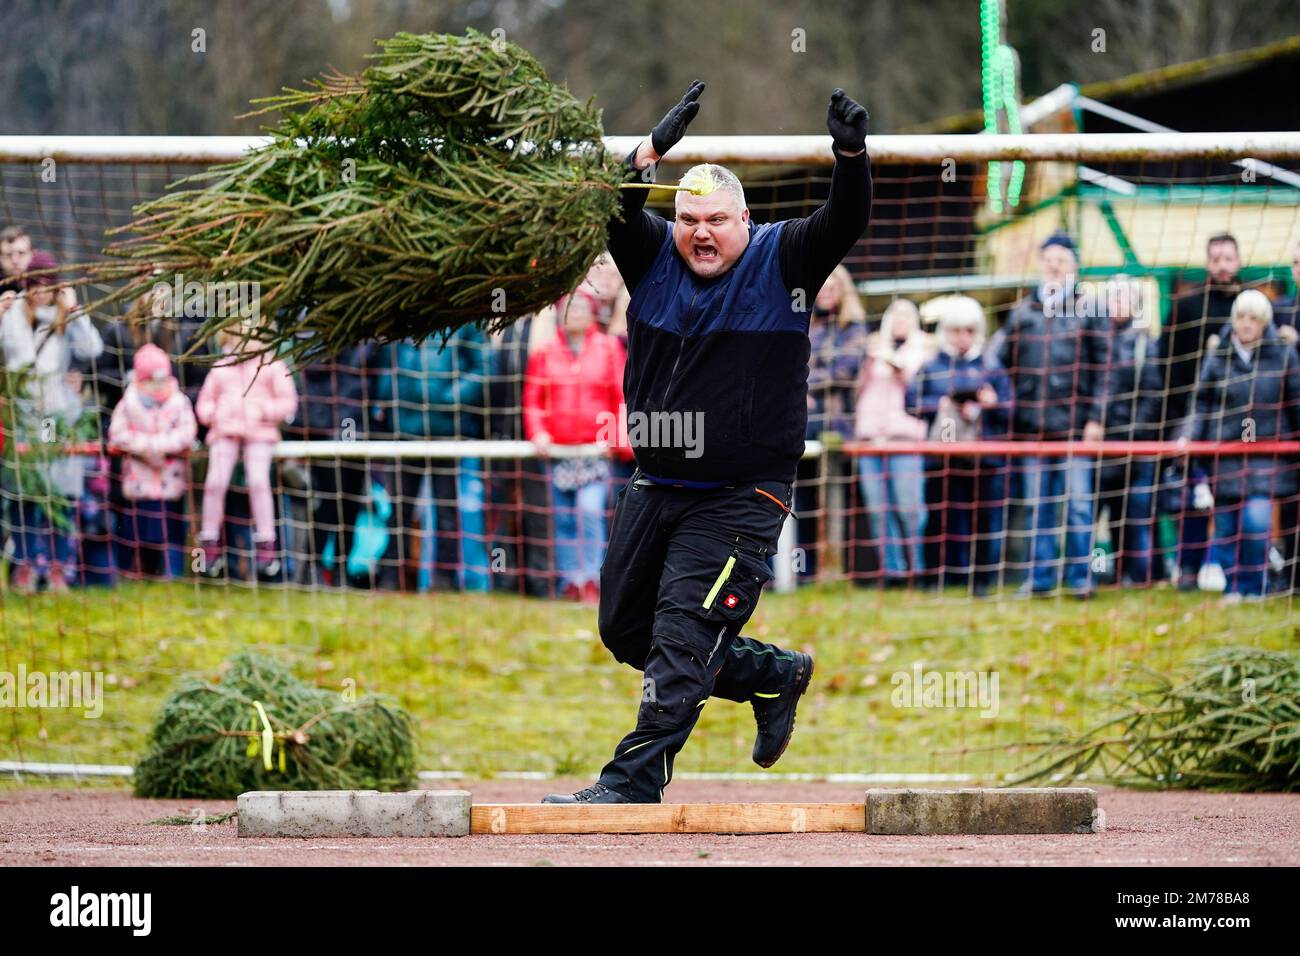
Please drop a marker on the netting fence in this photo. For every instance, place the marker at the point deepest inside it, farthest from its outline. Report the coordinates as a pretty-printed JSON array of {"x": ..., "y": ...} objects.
[{"x": 1103, "y": 427}]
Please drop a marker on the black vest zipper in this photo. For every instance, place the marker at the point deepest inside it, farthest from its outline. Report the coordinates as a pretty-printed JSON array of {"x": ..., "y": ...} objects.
[{"x": 680, "y": 348}]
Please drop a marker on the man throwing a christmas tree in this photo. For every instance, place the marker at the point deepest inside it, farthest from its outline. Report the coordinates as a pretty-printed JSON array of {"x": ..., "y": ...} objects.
[{"x": 718, "y": 351}]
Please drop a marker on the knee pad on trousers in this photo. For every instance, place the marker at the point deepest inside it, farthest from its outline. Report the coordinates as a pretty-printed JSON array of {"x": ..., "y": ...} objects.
[{"x": 675, "y": 684}]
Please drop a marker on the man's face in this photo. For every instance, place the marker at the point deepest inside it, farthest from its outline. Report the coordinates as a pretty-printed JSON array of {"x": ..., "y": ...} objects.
[
  {"x": 710, "y": 232},
  {"x": 1295, "y": 265},
  {"x": 1059, "y": 264},
  {"x": 16, "y": 256},
  {"x": 1223, "y": 262}
]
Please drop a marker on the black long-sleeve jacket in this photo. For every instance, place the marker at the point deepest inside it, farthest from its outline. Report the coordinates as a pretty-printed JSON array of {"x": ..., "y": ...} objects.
[{"x": 730, "y": 352}]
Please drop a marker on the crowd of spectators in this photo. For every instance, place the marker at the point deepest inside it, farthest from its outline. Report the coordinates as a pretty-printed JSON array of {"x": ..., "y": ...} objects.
[{"x": 135, "y": 498}]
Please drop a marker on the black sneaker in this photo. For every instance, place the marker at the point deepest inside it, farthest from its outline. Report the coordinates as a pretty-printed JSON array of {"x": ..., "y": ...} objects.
[
  {"x": 596, "y": 793},
  {"x": 775, "y": 715}
]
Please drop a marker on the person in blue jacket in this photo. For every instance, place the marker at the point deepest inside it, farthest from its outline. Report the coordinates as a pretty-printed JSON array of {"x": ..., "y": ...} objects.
[
  {"x": 1135, "y": 398},
  {"x": 963, "y": 395},
  {"x": 429, "y": 392},
  {"x": 1248, "y": 391},
  {"x": 1054, "y": 348}
]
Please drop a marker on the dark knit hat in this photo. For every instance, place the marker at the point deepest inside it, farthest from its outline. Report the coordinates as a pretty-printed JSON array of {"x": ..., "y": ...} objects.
[{"x": 1059, "y": 239}]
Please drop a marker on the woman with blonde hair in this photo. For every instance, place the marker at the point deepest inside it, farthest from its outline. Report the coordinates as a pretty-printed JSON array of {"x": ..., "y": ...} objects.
[
  {"x": 837, "y": 335},
  {"x": 891, "y": 484},
  {"x": 1249, "y": 390}
]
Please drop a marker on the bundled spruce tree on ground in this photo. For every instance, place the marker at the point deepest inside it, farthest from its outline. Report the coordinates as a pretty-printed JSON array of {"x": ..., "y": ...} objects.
[
  {"x": 449, "y": 183},
  {"x": 260, "y": 728}
]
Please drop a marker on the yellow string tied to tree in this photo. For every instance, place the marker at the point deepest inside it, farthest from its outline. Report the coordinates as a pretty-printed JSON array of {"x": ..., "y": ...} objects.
[
  {"x": 342, "y": 742},
  {"x": 268, "y": 739},
  {"x": 699, "y": 181}
]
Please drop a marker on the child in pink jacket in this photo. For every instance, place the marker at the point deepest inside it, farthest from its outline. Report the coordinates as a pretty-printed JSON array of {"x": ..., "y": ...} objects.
[
  {"x": 153, "y": 427},
  {"x": 244, "y": 401}
]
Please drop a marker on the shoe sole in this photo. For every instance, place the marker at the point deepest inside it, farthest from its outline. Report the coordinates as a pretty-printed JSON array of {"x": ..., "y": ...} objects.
[
  {"x": 803, "y": 688},
  {"x": 588, "y": 803}
]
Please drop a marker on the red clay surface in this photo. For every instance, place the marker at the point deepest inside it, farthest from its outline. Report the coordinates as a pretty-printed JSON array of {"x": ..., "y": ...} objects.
[{"x": 98, "y": 827}]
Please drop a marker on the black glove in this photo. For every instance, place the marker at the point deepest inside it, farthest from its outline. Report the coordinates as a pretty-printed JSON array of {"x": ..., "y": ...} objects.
[
  {"x": 673, "y": 126},
  {"x": 847, "y": 122}
]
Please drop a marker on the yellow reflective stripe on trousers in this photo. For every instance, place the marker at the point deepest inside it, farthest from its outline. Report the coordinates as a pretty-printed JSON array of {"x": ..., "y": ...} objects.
[
  {"x": 717, "y": 585},
  {"x": 634, "y": 747}
]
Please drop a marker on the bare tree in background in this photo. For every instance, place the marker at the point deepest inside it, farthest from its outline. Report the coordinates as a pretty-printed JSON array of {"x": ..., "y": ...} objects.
[{"x": 127, "y": 66}]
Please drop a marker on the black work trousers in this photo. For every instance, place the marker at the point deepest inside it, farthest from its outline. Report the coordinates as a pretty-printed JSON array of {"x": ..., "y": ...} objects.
[{"x": 682, "y": 574}]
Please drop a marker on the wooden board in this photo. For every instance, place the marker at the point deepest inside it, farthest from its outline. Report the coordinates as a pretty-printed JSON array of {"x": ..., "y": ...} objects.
[{"x": 668, "y": 818}]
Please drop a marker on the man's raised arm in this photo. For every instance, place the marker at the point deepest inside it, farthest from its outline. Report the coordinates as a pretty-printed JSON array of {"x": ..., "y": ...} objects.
[
  {"x": 812, "y": 247},
  {"x": 634, "y": 239}
]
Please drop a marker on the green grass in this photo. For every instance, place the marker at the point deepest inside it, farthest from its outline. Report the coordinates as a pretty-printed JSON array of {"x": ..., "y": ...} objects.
[{"x": 501, "y": 683}]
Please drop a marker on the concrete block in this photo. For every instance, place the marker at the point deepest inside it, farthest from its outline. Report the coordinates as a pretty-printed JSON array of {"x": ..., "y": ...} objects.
[
  {"x": 355, "y": 813},
  {"x": 982, "y": 810}
]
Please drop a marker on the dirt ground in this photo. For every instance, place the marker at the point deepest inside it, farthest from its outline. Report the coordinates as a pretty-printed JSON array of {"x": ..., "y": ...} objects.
[{"x": 97, "y": 827}]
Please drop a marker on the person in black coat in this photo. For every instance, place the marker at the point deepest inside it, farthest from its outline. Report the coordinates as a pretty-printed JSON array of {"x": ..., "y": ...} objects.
[
  {"x": 1055, "y": 354},
  {"x": 1284, "y": 307},
  {"x": 1134, "y": 405},
  {"x": 1249, "y": 390},
  {"x": 1286, "y": 326},
  {"x": 1195, "y": 316},
  {"x": 1193, "y": 319}
]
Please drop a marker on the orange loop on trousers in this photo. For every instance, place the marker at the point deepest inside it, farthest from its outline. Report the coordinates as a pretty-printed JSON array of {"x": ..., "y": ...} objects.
[{"x": 768, "y": 494}]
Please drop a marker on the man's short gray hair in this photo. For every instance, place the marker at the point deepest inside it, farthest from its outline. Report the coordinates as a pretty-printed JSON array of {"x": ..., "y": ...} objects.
[{"x": 722, "y": 177}]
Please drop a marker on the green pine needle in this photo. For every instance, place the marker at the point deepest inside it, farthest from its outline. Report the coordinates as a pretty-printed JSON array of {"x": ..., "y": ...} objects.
[
  {"x": 450, "y": 183},
  {"x": 1228, "y": 721},
  {"x": 207, "y": 740}
]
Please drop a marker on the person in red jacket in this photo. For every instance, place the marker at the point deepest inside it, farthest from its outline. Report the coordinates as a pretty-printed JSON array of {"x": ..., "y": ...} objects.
[{"x": 573, "y": 393}]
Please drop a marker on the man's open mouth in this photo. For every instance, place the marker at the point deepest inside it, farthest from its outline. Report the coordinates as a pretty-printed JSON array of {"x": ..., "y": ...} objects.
[{"x": 705, "y": 251}]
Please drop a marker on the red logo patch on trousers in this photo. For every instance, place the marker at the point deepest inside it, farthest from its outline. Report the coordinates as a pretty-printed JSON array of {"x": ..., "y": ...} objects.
[{"x": 730, "y": 601}]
